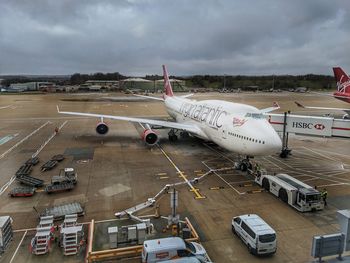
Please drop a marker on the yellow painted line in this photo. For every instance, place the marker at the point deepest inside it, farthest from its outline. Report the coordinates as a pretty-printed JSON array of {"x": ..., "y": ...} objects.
[
  {"x": 163, "y": 177},
  {"x": 161, "y": 174},
  {"x": 198, "y": 171},
  {"x": 180, "y": 172},
  {"x": 39, "y": 190},
  {"x": 199, "y": 174},
  {"x": 196, "y": 192},
  {"x": 182, "y": 176},
  {"x": 216, "y": 188}
]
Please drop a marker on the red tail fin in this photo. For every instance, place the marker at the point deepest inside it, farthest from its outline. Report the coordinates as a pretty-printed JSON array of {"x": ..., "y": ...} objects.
[
  {"x": 167, "y": 86},
  {"x": 343, "y": 80}
]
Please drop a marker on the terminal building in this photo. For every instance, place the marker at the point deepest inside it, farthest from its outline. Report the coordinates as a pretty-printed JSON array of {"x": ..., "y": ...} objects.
[{"x": 31, "y": 86}]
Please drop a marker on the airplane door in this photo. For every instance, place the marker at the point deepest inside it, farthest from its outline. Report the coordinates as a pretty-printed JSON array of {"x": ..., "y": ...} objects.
[{"x": 224, "y": 133}]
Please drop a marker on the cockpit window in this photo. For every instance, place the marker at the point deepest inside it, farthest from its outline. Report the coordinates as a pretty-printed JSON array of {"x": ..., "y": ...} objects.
[{"x": 255, "y": 115}]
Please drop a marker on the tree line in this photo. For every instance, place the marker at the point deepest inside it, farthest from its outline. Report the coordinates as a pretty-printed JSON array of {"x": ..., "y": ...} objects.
[{"x": 283, "y": 82}]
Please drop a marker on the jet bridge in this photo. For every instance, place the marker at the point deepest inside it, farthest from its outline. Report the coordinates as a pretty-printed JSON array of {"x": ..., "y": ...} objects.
[{"x": 307, "y": 125}]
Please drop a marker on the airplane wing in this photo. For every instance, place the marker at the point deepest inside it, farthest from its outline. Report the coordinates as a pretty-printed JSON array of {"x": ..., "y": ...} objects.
[
  {"x": 322, "y": 108},
  {"x": 329, "y": 95},
  {"x": 168, "y": 124},
  {"x": 275, "y": 106},
  {"x": 187, "y": 95},
  {"x": 148, "y": 97}
]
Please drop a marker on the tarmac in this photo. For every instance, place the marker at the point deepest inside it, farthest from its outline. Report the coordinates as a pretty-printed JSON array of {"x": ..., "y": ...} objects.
[{"x": 117, "y": 171}]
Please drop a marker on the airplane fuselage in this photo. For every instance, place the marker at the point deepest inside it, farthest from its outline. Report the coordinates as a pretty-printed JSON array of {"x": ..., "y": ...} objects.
[{"x": 236, "y": 127}]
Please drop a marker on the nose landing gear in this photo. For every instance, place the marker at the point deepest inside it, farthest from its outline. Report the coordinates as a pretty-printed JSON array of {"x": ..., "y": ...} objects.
[{"x": 244, "y": 164}]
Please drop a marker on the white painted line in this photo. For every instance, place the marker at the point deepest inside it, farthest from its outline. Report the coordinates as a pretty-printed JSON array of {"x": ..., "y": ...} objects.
[
  {"x": 12, "y": 179},
  {"x": 5, "y": 107},
  {"x": 20, "y": 243},
  {"x": 242, "y": 182},
  {"x": 23, "y": 140},
  {"x": 322, "y": 155},
  {"x": 326, "y": 185},
  {"x": 211, "y": 148},
  {"x": 48, "y": 140},
  {"x": 238, "y": 192},
  {"x": 340, "y": 154}
]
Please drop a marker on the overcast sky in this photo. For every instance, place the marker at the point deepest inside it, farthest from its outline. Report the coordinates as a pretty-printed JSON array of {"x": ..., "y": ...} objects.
[{"x": 136, "y": 37}]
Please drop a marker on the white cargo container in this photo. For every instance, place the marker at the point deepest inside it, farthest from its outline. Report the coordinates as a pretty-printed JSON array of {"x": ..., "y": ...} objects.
[{"x": 297, "y": 194}]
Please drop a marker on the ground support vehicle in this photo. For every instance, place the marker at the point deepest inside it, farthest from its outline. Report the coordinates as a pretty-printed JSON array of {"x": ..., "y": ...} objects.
[
  {"x": 292, "y": 191},
  {"x": 259, "y": 237}
]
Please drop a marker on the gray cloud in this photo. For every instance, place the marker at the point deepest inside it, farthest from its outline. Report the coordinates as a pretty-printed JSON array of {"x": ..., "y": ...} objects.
[{"x": 192, "y": 37}]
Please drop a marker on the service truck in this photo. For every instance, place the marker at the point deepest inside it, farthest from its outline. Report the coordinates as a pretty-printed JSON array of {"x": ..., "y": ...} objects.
[{"x": 297, "y": 194}]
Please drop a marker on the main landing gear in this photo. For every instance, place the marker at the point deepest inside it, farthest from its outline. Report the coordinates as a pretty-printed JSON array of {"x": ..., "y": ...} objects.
[
  {"x": 173, "y": 135},
  {"x": 244, "y": 164}
]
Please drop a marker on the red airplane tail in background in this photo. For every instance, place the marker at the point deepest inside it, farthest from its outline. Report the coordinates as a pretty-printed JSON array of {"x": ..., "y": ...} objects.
[
  {"x": 343, "y": 80},
  {"x": 167, "y": 86},
  {"x": 343, "y": 85}
]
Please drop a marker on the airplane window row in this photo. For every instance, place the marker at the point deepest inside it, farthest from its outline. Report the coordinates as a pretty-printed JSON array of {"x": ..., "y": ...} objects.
[
  {"x": 246, "y": 138},
  {"x": 255, "y": 115}
]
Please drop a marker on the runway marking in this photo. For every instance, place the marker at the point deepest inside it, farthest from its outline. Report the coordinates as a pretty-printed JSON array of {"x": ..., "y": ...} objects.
[
  {"x": 48, "y": 140},
  {"x": 5, "y": 107},
  {"x": 161, "y": 174},
  {"x": 327, "y": 185},
  {"x": 218, "y": 175},
  {"x": 23, "y": 140},
  {"x": 20, "y": 243},
  {"x": 320, "y": 154},
  {"x": 195, "y": 191},
  {"x": 7, "y": 138},
  {"x": 12, "y": 179}
]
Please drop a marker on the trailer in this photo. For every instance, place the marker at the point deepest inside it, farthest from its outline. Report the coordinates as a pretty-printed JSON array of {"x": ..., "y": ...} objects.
[
  {"x": 33, "y": 161},
  {"x": 56, "y": 188},
  {"x": 60, "y": 211},
  {"x": 58, "y": 157},
  {"x": 30, "y": 181},
  {"x": 297, "y": 194},
  {"x": 22, "y": 192},
  {"x": 49, "y": 165},
  {"x": 25, "y": 169}
]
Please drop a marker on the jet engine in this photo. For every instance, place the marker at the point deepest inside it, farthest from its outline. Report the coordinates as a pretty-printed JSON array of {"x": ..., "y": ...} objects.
[
  {"x": 102, "y": 128},
  {"x": 149, "y": 137}
]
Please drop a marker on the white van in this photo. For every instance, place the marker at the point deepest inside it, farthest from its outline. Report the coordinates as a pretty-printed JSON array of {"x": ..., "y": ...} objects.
[
  {"x": 259, "y": 237},
  {"x": 162, "y": 249}
]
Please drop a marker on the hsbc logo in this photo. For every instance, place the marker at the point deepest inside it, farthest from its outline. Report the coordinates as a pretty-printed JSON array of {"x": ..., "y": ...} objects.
[
  {"x": 319, "y": 126},
  {"x": 305, "y": 125}
]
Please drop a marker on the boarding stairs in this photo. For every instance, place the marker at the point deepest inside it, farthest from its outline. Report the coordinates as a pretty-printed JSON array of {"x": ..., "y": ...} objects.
[
  {"x": 71, "y": 235},
  {"x": 41, "y": 243}
]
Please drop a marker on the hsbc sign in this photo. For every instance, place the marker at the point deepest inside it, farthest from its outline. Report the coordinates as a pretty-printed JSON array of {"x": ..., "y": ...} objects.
[
  {"x": 308, "y": 125},
  {"x": 319, "y": 126},
  {"x": 298, "y": 124}
]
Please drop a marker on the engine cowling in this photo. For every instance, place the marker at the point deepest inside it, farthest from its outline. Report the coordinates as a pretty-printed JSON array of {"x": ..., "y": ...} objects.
[
  {"x": 149, "y": 137},
  {"x": 102, "y": 128}
]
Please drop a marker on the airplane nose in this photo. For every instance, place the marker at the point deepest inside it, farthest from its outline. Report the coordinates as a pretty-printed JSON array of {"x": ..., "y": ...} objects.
[{"x": 274, "y": 143}]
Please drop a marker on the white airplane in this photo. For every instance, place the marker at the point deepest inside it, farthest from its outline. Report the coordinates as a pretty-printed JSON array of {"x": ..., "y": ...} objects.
[{"x": 236, "y": 127}]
